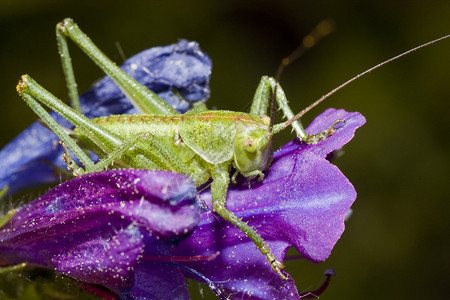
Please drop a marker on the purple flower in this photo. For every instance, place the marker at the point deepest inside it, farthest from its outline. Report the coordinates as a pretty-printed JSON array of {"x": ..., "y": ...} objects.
[
  {"x": 179, "y": 69},
  {"x": 99, "y": 227},
  {"x": 302, "y": 202}
]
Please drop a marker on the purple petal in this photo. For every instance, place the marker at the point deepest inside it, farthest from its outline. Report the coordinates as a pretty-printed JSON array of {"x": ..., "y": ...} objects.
[
  {"x": 31, "y": 158},
  {"x": 241, "y": 271},
  {"x": 96, "y": 227},
  {"x": 156, "y": 281},
  {"x": 353, "y": 120},
  {"x": 301, "y": 202}
]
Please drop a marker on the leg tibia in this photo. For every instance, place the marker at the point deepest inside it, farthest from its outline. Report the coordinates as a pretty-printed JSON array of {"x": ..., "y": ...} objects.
[
  {"x": 141, "y": 97},
  {"x": 66, "y": 63},
  {"x": 219, "y": 188},
  {"x": 55, "y": 127},
  {"x": 27, "y": 86}
]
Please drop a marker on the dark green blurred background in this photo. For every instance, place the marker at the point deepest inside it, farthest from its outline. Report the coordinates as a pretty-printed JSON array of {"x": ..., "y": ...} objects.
[{"x": 396, "y": 245}]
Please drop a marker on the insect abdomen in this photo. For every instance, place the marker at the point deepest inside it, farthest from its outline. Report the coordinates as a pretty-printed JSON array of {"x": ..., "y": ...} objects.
[
  {"x": 157, "y": 141},
  {"x": 133, "y": 125}
]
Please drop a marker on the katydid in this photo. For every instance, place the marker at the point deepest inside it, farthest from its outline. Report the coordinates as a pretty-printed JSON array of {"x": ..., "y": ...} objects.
[{"x": 202, "y": 144}]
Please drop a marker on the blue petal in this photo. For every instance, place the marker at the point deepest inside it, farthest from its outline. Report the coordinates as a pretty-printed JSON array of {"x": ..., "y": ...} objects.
[{"x": 179, "y": 73}]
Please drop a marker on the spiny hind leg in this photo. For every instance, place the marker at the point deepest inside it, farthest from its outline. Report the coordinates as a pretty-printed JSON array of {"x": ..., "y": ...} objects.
[
  {"x": 68, "y": 142},
  {"x": 219, "y": 186},
  {"x": 102, "y": 163},
  {"x": 159, "y": 155},
  {"x": 32, "y": 100},
  {"x": 142, "y": 98}
]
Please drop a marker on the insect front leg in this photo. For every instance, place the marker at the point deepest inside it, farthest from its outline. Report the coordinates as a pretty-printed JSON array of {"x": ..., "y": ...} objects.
[
  {"x": 267, "y": 87},
  {"x": 263, "y": 96},
  {"x": 219, "y": 187},
  {"x": 141, "y": 97}
]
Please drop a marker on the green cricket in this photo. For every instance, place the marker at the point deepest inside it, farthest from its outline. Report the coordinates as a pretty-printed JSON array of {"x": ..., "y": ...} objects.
[{"x": 202, "y": 144}]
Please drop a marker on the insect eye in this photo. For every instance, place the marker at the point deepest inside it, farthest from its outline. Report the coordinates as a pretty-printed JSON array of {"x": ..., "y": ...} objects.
[{"x": 249, "y": 144}]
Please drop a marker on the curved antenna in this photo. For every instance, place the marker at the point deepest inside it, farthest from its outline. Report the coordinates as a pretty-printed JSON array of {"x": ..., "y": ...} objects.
[
  {"x": 318, "y": 101},
  {"x": 320, "y": 31}
]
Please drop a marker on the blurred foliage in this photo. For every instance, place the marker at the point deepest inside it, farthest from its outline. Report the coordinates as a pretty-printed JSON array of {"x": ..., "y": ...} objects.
[
  {"x": 397, "y": 242},
  {"x": 39, "y": 284}
]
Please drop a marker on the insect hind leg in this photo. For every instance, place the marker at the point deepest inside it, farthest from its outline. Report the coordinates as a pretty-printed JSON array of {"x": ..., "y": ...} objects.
[
  {"x": 141, "y": 97},
  {"x": 30, "y": 99}
]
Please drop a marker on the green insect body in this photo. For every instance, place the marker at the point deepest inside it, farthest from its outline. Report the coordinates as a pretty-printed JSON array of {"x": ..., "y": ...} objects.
[
  {"x": 201, "y": 141},
  {"x": 202, "y": 144}
]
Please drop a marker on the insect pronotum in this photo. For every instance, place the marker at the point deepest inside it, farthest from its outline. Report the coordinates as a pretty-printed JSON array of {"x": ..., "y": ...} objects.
[{"x": 203, "y": 144}]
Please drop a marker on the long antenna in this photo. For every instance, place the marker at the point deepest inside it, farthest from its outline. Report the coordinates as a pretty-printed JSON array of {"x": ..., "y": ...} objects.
[
  {"x": 320, "y": 31},
  {"x": 318, "y": 101}
]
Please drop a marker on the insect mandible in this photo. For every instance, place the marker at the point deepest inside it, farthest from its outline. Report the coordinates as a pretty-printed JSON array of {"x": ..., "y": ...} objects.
[{"x": 202, "y": 144}]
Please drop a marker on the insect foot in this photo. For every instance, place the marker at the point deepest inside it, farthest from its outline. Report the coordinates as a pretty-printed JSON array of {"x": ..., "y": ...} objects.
[
  {"x": 277, "y": 266},
  {"x": 315, "y": 138},
  {"x": 71, "y": 165}
]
